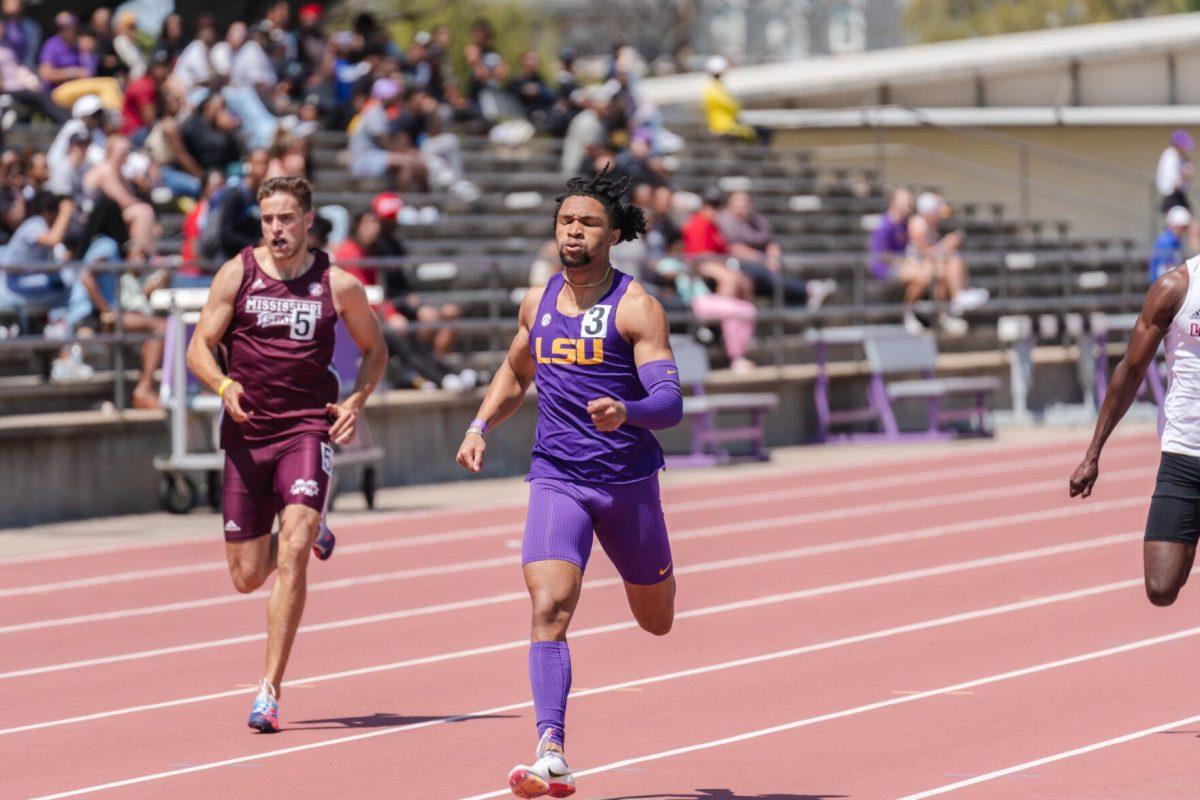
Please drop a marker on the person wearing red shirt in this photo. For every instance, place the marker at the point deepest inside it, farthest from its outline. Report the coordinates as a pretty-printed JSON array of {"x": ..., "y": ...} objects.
[
  {"x": 141, "y": 109},
  {"x": 708, "y": 251}
]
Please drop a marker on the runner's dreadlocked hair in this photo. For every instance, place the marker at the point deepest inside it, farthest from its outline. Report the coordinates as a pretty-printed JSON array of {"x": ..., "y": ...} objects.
[{"x": 626, "y": 217}]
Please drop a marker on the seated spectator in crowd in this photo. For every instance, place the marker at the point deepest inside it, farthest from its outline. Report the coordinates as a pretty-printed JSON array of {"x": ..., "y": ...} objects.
[
  {"x": 191, "y": 273},
  {"x": 67, "y": 67},
  {"x": 376, "y": 151},
  {"x": 143, "y": 99},
  {"x": 940, "y": 256},
  {"x": 21, "y": 33},
  {"x": 37, "y": 173},
  {"x": 312, "y": 44},
  {"x": 172, "y": 40},
  {"x": 116, "y": 295},
  {"x": 287, "y": 156},
  {"x": 752, "y": 242},
  {"x": 412, "y": 363},
  {"x": 706, "y": 247},
  {"x": 99, "y": 29},
  {"x": 237, "y": 210},
  {"x": 194, "y": 67},
  {"x": 1175, "y": 171},
  {"x": 736, "y": 316},
  {"x": 21, "y": 86},
  {"x": 721, "y": 108},
  {"x": 209, "y": 137},
  {"x": 108, "y": 181},
  {"x": 13, "y": 205},
  {"x": 421, "y": 123},
  {"x": 1170, "y": 247},
  {"x": 87, "y": 126},
  {"x": 484, "y": 63},
  {"x": 241, "y": 62},
  {"x": 124, "y": 44},
  {"x": 532, "y": 91},
  {"x": 387, "y": 207},
  {"x": 890, "y": 257},
  {"x": 33, "y": 242}
]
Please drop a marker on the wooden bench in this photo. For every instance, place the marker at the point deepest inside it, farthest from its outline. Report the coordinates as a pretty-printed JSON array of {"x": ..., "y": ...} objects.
[{"x": 704, "y": 411}]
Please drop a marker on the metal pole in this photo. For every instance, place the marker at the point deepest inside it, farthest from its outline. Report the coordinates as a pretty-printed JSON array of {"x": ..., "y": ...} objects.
[
  {"x": 119, "y": 354},
  {"x": 494, "y": 343},
  {"x": 1023, "y": 168},
  {"x": 778, "y": 325}
]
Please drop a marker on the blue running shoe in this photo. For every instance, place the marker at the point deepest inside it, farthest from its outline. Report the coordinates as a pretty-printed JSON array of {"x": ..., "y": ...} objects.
[
  {"x": 264, "y": 716},
  {"x": 323, "y": 546}
]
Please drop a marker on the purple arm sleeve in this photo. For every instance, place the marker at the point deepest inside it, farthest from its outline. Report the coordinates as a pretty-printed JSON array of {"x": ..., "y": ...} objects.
[{"x": 663, "y": 405}]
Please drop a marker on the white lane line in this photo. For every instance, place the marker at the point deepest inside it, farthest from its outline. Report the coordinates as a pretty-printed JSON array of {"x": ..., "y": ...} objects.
[
  {"x": 1121, "y": 442},
  {"x": 739, "y": 605},
  {"x": 932, "y": 500},
  {"x": 627, "y": 684},
  {"x": 905, "y": 536},
  {"x": 1038, "y": 762},
  {"x": 895, "y": 701},
  {"x": 737, "y": 561}
]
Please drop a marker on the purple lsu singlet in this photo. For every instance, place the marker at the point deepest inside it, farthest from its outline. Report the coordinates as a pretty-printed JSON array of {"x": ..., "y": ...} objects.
[
  {"x": 577, "y": 360},
  {"x": 279, "y": 346}
]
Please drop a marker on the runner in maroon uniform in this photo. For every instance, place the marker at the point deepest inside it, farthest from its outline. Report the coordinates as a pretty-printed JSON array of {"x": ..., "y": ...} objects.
[{"x": 273, "y": 311}]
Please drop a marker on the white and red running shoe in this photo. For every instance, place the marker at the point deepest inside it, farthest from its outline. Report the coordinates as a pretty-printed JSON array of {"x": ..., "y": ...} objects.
[{"x": 549, "y": 774}]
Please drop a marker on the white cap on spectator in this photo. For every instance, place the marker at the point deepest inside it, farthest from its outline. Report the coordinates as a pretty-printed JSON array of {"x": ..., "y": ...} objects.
[
  {"x": 1178, "y": 217},
  {"x": 86, "y": 106},
  {"x": 423, "y": 38},
  {"x": 716, "y": 65},
  {"x": 928, "y": 203}
]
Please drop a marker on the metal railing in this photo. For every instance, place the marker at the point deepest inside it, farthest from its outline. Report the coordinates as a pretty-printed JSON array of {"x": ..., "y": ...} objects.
[{"x": 777, "y": 322}]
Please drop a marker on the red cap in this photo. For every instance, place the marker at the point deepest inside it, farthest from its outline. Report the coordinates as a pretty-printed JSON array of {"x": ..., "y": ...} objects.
[
  {"x": 387, "y": 205},
  {"x": 311, "y": 10}
]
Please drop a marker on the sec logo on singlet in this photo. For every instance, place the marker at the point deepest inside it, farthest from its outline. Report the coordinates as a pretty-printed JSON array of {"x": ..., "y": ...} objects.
[
  {"x": 1195, "y": 331},
  {"x": 545, "y": 319}
]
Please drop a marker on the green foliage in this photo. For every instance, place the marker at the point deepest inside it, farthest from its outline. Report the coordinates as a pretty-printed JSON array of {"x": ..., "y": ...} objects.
[
  {"x": 517, "y": 25},
  {"x": 939, "y": 20}
]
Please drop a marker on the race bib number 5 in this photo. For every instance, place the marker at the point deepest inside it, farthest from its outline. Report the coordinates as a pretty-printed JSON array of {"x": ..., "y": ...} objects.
[{"x": 304, "y": 322}]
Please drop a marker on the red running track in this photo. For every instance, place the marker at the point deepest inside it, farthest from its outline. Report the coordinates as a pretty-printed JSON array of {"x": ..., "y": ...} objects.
[{"x": 906, "y": 629}]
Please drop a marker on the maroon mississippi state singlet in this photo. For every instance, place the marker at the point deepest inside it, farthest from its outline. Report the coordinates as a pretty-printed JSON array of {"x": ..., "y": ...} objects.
[{"x": 279, "y": 346}]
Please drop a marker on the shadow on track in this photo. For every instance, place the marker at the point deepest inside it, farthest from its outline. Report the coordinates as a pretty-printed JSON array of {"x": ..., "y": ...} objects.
[{"x": 382, "y": 719}]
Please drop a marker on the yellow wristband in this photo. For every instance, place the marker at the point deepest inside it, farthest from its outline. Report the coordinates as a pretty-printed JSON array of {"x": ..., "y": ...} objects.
[{"x": 224, "y": 385}]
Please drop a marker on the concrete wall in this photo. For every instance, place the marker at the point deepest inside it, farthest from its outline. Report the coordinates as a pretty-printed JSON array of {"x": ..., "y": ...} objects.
[
  {"x": 1111, "y": 207},
  {"x": 72, "y": 466}
]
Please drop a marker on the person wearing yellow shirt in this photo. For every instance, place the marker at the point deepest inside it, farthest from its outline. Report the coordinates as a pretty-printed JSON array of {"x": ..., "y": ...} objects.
[{"x": 721, "y": 108}]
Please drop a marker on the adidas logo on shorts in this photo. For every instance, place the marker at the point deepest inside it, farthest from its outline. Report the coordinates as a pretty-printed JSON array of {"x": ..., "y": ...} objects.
[{"x": 232, "y": 526}]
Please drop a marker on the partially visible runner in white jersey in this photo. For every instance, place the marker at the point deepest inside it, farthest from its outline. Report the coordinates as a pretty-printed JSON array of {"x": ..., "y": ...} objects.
[{"x": 1171, "y": 317}]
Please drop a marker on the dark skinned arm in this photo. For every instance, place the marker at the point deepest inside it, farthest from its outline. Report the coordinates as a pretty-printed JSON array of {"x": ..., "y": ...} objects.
[{"x": 1162, "y": 304}]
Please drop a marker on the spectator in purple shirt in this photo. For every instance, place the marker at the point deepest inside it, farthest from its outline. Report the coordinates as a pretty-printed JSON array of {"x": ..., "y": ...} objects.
[
  {"x": 891, "y": 259},
  {"x": 67, "y": 67},
  {"x": 21, "y": 33}
]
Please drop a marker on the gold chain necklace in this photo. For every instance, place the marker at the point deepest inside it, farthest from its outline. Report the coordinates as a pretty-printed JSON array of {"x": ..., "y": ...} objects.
[{"x": 603, "y": 278}]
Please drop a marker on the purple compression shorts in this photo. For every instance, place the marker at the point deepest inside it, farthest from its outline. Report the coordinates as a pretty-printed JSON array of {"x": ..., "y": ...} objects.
[
  {"x": 261, "y": 480},
  {"x": 626, "y": 517}
]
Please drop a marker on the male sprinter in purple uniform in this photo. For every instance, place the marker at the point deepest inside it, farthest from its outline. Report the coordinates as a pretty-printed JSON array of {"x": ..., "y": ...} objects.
[
  {"x": 597, "y": 347},
  {"x": 273, "y": 311}
]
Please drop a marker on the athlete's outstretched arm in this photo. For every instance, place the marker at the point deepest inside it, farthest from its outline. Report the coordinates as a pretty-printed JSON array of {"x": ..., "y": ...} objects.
[
  {"x": 1162, "y": 303},
  {"x": 507, "y": 389},
  {"x": 642, "y": 320},
  {"x": 214, "y": 321},
  {"x": 353, "y": 308}
]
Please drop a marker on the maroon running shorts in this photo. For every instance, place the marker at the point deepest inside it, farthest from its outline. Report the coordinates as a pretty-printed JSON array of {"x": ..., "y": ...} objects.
[{"x": 261, "y": 480}]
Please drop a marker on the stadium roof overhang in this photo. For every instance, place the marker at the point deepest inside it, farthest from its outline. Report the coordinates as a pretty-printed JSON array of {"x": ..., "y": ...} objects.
[
  {"x": 900, "y": 117},
  {"x": 1151, "y": 61}
]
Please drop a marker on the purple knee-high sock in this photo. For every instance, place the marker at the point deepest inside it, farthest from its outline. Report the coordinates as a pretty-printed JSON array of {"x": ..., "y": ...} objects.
[{"x": 550, "y": 677}]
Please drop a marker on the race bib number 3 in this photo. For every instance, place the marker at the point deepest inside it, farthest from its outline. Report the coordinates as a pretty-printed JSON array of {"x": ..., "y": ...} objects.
[{"x": 595, "y": 322}]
